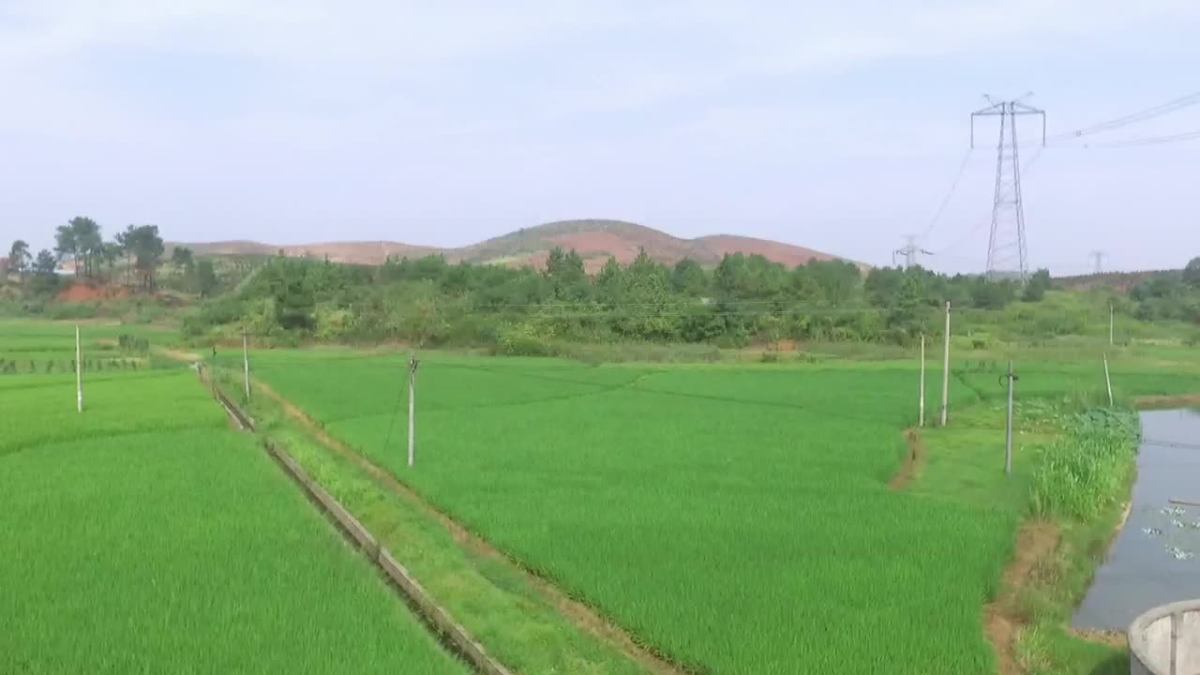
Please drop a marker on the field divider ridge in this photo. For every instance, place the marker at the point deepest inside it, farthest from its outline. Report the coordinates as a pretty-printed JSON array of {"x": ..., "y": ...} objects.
[{"x": 451, "y": 633}]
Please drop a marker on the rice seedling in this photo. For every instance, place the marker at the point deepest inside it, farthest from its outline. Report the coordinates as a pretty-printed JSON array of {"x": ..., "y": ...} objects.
[
  {"x": 144, "y": 536},
  {"x": 735, "y": 517}
]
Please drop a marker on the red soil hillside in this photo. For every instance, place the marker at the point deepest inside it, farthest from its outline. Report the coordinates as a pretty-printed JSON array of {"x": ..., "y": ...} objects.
[
  {"x": 360, "y": 252},
  {"x": 594, "y": 240},
  {"x": 719, "y": 244},
  {"x": 80, "y": 291},
  {"x": 1119, "y": 281}
]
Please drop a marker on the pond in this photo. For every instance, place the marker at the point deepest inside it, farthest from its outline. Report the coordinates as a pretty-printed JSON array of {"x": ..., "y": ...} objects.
[{"x": 1156, "y": 556}]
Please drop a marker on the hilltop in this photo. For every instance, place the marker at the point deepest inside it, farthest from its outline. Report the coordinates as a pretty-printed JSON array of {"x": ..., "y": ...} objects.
[{"x": 594, "y": 240}]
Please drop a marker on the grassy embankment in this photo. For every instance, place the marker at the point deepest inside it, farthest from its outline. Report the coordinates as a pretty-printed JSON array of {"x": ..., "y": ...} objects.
[{"x": 1074, "y": 462}]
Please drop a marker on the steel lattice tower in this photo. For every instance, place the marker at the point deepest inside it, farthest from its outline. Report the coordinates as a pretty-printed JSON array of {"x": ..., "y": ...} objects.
[{"x": 1007, "y": 256}]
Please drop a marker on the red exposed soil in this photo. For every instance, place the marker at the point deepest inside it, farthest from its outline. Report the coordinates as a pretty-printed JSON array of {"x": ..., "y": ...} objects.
[
  {"x": 354, "y": 252},
  {"x": 1121, "y": 281},
  {"x": 718, "y": 245},
  {"x": 594, "y": 240},
  {"x": 1167, "y": 402},
  {"x": 1037, "y": 541},
  {"x": 87, "y": 292},
  {"x": 913, "y": 462}
]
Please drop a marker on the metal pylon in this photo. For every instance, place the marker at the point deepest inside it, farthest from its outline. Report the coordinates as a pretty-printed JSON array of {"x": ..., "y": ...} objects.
[{"x": 1007, "y": 255}]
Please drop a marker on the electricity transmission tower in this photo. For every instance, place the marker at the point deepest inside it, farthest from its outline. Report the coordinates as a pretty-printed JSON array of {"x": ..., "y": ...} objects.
[
  {"x": 910, "y": 251},
  {"x": 1098, "y": 256},
  {"x": 1007, "y": 255}
]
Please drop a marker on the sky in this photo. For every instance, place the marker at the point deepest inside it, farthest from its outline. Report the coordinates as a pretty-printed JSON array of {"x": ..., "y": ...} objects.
[{"x": 838, "y": 126}]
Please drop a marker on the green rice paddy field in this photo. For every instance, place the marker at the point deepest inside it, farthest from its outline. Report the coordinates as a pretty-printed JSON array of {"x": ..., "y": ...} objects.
[
  {"x": 733, "y": 517},
  {"x": 145, "y": 536},
  {"x": 736, "y": 518}
]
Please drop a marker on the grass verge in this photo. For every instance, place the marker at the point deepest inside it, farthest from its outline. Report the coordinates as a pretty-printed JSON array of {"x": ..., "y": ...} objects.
[{"x": 1072, "y": 472}]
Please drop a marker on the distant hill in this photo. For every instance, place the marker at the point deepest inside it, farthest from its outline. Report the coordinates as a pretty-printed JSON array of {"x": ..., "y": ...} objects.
[
  {"x": 594, "y": 240},
  {"x": 361, "y": 252},
  {"x": 1120, "y": 281}
]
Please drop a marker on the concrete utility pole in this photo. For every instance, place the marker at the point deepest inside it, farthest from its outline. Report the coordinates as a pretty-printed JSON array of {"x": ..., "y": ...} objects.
[
  {"x": 946, "y": 368},
  {"x": 1111, "y": 323},
  {"x": 1008, "y": 427},
  {"x": 921, "y": 403},
  {"x": 78, "y": 372},
  {"x": 412, "y": 408},
  {"x": 1108, "y": 381},
  {"x": 246, "y": 363}
]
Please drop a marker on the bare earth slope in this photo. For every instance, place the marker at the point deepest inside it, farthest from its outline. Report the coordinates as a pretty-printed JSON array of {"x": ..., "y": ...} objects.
[{"x": 595, "y": 240}]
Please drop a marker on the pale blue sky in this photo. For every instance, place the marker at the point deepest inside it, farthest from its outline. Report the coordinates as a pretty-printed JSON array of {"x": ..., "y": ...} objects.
[{"x": 838, "y": 126}]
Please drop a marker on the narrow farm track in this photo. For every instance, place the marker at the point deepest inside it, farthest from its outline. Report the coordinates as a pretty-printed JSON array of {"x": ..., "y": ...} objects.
[
  {"x": 1037, "y": 541},
  {"x": 581, "y": 615},
  {"x": 914, "y": 461},
  {"x": 1167, "y": 402}
]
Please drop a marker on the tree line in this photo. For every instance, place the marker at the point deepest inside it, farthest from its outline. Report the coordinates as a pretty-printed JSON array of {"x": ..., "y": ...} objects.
[
  {"x": 133, "y": 256},
  {"x": 745, "y": 297},
  {"x": 1173, "y": 296}
]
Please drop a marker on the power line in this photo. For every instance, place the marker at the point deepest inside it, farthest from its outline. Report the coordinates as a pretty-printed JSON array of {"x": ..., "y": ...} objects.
[
  {"x": 1150, "y": 140},
  {"x": 961, "y": 240},
  {"x": 1132, "y": 118},
  {"x": 937, "y": 215},
  {"x": 958, "y": 242}
]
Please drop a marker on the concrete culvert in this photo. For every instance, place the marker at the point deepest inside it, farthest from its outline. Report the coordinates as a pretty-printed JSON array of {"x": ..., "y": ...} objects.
[{"x": 1166, "y": 640}]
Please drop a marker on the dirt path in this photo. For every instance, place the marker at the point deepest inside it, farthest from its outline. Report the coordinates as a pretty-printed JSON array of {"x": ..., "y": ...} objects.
[
  {"x": 1166, "y": 402},
  {"x": 580, "y": 614},
  {"x": 1037, "y": 541},
  {"x": 913, "y": 462},
  {"x": 177, "y": 354}
]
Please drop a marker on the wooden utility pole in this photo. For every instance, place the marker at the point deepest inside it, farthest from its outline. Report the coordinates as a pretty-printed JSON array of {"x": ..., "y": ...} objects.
[
  {"x": 1108, "y": 381},
  {"x": 946, "y": 369},
  {"x": 921, "y": 403},
  {"x": 1008, "y": 426},
  {"x": 246, "y": 363},
  {"x": 412, "y": 408},
  {"x": 78, "y": 372}
]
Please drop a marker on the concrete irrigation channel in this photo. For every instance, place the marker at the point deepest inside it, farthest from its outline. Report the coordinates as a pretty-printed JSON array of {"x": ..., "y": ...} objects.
[
  {"x": 451, "y": 633},
  {"x": 1166, "y": 640}
]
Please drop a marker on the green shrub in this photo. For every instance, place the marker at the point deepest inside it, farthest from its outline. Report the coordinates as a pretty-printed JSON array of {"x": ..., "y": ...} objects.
[
  {"x": 522, "y": 339},
  {"x": 1081, "y": 473}
]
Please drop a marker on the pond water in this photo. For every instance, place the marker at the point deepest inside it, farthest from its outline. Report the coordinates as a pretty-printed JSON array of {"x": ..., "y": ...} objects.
[{"x": 1156, "y": 557}]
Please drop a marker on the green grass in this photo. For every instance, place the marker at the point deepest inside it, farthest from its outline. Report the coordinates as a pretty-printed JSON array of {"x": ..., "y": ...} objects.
[
  {"x": 46, "y": 347},
  {"x": 494, "y": 600},
  {"x": 1068, "y": 468},
  {"x": 735, "y": 517},
  {"x": 144, "y": 536}
]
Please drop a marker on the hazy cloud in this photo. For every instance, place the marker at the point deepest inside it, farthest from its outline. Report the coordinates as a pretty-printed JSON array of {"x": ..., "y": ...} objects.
[{"x": 310, "y": 120}]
